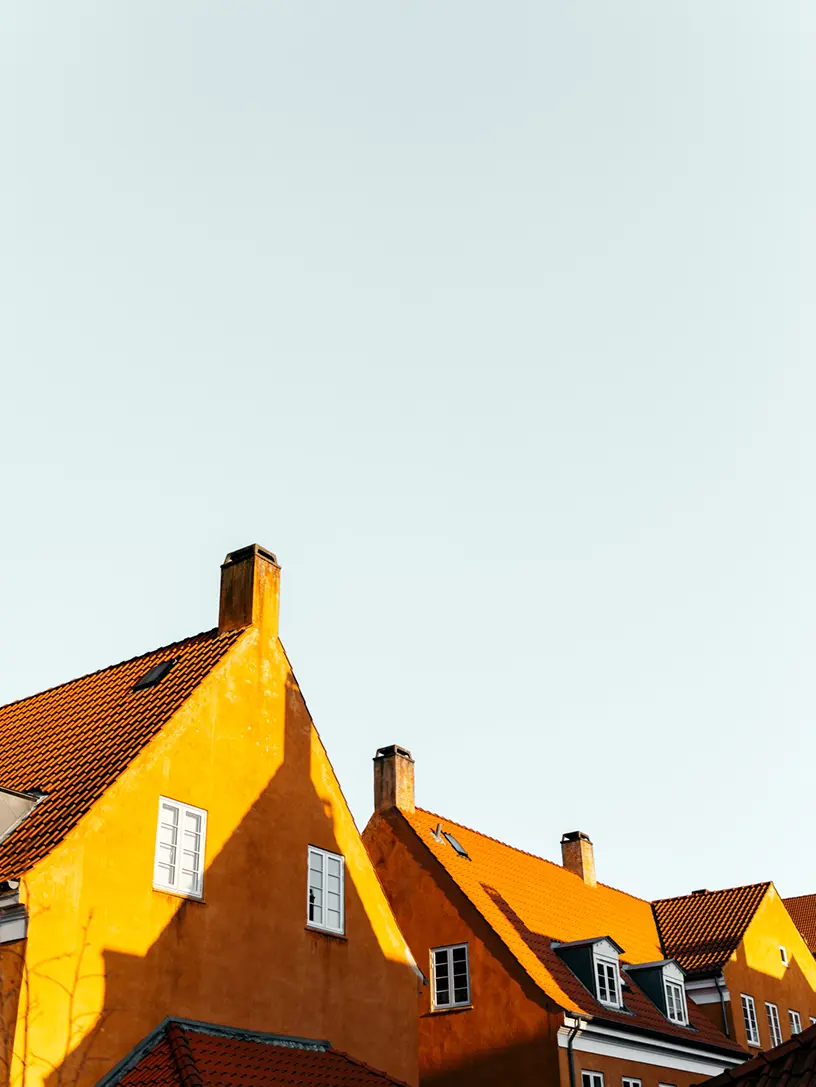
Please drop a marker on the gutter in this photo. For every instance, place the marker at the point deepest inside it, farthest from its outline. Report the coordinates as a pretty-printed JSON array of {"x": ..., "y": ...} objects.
[
  {"x": 570, "y": 1052},
  {"x": 722, "y": 1005}
]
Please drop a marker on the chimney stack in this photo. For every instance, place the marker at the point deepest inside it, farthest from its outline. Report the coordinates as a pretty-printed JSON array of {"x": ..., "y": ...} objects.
[
  {"x": 578, "y": 856},
  {"x": 250, "y": 591},
  {"x": 393, "y": 779}
]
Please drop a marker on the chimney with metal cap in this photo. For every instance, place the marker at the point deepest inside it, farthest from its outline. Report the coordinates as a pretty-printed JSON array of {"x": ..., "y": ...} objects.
[
  {"x": 578, "y": 856},
  {"x": 250, "y": 591},
  {"x": 393, "y": 779}
]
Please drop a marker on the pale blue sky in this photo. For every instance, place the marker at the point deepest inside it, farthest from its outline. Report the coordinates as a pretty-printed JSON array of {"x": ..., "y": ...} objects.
[{"x": 495, "y": 322}]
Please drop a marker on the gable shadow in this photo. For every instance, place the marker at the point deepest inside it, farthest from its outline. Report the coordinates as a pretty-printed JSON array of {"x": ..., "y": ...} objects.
[{"x": 244, "y": 957}]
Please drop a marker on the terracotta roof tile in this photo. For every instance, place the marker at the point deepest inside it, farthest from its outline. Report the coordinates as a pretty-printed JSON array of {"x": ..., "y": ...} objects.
[
  {"x": 803, "y": 911},
  {"x": 184, "y": 1054},
  {"x": 74, "y": 740},
  {"x": 530, "y": 902},
  {"x": 702, "y": 930},
  {"x": 792, "y": 1064}
]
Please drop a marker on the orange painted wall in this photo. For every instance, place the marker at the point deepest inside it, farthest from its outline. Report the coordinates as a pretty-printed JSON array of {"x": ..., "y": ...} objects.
[
  {"x": 109, "y": 957},
  {"x": 508, "y": 1035},
  {"x": 756, "y": 968}
]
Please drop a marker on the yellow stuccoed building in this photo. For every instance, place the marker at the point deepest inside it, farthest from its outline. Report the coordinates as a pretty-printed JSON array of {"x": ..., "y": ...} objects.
[{"x": 174, "y": 842}]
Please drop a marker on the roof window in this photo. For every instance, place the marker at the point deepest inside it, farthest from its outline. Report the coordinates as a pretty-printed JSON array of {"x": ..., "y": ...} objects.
[
  {"x": 153, "y": 676},
  {"x": 460, "y": 849}
]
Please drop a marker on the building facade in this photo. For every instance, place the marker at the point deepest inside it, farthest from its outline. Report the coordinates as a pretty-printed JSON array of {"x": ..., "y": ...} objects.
[
  {"x": 174, "y": 842},
  {"x": 747, "y": 964},
  {"x": 536, "y": 973}
]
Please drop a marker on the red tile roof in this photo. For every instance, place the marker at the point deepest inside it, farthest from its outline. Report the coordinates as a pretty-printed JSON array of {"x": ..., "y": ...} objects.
[
  {"x": 181, "y": 1053},
  {"x": 530, "y": 902},
  {"x": 803, "y": 911},
  {"x": 73, "y": 741},
  {"x": 792, "y": 1064},
  {"x": 703, "y": 930}
]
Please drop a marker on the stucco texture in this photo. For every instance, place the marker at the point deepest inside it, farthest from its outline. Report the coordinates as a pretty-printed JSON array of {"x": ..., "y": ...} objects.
[{"x": 108, "y": 957}]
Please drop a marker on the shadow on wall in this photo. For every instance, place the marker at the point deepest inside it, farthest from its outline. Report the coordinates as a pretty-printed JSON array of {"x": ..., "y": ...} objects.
[{"x": 245, "y": 957}]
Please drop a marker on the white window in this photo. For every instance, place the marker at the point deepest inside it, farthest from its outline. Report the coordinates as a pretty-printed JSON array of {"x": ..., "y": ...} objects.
[
  {"x": 795, "y": 1022},
  {"x": 326, "y": 893},
  {"x": 749, "y": 1015},
  {"x": 451, "y": 976},
  {"x": 773, "y": 1023},
  {"x": 783, "y": 951},
  {"x": 812, "y": 1019},
  {"x": 627, "y": 1081},
  {"x": 606, "y": 974},
  {"x": 180, "y": 839},
  {"x": 592, "y": 1079},
  {"x": 676, "y": 1002}
]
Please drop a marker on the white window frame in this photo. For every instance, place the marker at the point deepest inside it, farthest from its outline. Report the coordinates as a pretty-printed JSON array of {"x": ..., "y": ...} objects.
[
  {"x": 160, "y": 880},
  {"x": 774, "y": 1024},
  {"x": 783, "y": 951},
  {"x": 324, "y": 856},
  {"x": 452, "y": 1002},
  {"x": 592, "y": 1079},
  {"x": 795, "y": 1022},
  {"x": 750, "y": 1020},
  {"x": 610, "y": 967},
  {"x": 631, "y": 1081},
  {"x": 680, "y": 1000}
]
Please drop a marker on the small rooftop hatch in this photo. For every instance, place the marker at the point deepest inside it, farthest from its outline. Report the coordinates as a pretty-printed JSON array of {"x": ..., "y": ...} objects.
[
  {"x": 460, "y": 849},
  {"x": 154, "y": 675}
]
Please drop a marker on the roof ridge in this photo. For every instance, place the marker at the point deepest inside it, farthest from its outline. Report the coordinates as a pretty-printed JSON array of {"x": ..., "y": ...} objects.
[
  {"x": 182, "y": 1055},
  {"x": 212, "y": 632},
  {"x": 527, "y": 853},
  {"x": 722, "y": 890}
]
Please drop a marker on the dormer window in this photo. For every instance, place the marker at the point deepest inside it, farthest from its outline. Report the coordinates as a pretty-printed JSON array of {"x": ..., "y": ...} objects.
[
  {"x": 596, "y": 963},
  {"x": 663, "y": 983},
  {"x": 676, "y": 1002},
  {"x": 606, "y": 976}
]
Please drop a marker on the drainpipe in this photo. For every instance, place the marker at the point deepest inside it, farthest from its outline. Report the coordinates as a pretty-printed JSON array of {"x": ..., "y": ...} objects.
[
  {"x": 570, "y": 1054},
  {"x": 722, "y": 1005}
]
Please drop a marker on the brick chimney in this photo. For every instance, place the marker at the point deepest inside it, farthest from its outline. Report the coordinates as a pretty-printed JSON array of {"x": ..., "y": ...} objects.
[
  {"x": 578, "y": 856},
  {"x": 250, "y": 591},
  {"x": 393, "y": 779}
]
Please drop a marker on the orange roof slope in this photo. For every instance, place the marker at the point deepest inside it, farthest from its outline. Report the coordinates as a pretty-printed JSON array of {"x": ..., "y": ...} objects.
[
  {"x": 703, "y": 930},
  {"x": 73, "y": 741},
  {"x": 792, "y": 1064},
  {"x": 181, "y": 1053},
  {"x": 803, "y": 912},
  {"x": 529, "y": 902}
]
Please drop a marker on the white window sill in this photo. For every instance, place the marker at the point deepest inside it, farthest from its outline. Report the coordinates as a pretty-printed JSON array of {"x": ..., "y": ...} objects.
[
  {"x": 325, "y": 931},
  {"x": 452, "y": 1008},
  {"x": 179, "y": 894}
]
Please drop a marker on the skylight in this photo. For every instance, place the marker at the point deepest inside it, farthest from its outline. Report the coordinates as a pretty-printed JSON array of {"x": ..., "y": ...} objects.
[
  {"x": 460, "y": 849},
  {"x": 153, "y": 675}
]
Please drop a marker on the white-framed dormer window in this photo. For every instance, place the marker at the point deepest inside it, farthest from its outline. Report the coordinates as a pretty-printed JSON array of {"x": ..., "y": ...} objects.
[
  {"x": 773, "y": 1023},
  {"x": 676, "y": 1009},
  {"x": 750, "y": 1019},
  {"x": 795, "y": 1022},
  {"x": 325, "y": 907},
  {"x": 450, "y": 973},
  {"x": 608, "y": 982},
  {"x": 783, "y": 953},
  {"x": 178, "y": 866}
]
